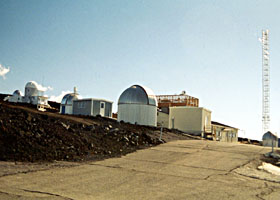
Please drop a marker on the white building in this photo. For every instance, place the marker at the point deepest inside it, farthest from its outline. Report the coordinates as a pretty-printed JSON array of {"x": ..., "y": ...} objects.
[
  {"x": 138, "y": 105},
  {"x": 34, "y": 94},
  {"x": 192, "y": 120},
  {"x": 16, "y": 97}
]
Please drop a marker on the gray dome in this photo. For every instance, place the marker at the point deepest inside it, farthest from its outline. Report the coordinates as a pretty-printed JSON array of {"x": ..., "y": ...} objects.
[
  {"x": 17, "y": 93},
  {"x": 68, "y": 99},
  {"x": 269, "y": 135},
  {"x": 137, "y": 94}
]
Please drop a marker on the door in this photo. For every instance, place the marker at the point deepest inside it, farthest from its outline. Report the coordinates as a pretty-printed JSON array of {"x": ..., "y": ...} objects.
[
  {"x": 63, "y": 109},
  {"x": 102, "y": 109}
]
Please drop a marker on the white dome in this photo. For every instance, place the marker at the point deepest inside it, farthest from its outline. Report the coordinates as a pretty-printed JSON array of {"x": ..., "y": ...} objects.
[
  {"x": 17, "y": 93},
  {"x": 32, "y": 84}
]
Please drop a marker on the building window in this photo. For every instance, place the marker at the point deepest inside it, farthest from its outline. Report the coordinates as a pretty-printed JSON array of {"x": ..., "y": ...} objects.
[
  {"x": 102, "y": 105},
  {"x": 81, "y": 104}
]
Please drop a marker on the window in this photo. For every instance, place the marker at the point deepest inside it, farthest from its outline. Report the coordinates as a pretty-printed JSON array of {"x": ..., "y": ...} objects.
[
  {"x": 102, "y": 105},
  {"x": 81, "y": 104}
]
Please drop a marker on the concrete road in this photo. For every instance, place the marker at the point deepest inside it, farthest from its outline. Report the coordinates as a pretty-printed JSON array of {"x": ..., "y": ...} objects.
[{"x": 189, "y": 169}]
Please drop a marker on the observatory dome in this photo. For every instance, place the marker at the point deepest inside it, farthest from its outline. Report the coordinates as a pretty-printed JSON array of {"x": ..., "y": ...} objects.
[
  {"x": 138, "y": 105},
  {"x": 66, "y": 105},
  {"x": 32, "y": 89},
  {"x": 31, "y": 84},
  {"x": 68, "y": 99},
  {"x": 17, "y": 93},
  {"x": 137, "y": 94}
]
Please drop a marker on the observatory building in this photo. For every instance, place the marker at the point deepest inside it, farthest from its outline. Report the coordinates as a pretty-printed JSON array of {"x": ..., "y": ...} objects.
[
  {"x": 92, "y": 107},
  {"x": 33, "y": 94},
  {"x": 72, "y": 104},
  {"x": 138, "y": 105},
  {"x": 269, "y": 139},
  {"x": 66, "y": 106},
  {"x": 16, "y": 97}
]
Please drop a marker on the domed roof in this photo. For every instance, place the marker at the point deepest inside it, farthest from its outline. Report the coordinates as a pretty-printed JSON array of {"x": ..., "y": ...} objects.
[
  {"x": 31, "y": 84},
  {"x": 17, "y": 93},
  {"x": 269, "y": 135},
  {"x": 68, "y": 99},
  {"x": 137, "y": 94}
]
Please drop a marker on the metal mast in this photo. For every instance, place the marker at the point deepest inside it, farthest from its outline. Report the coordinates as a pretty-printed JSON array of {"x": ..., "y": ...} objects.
[{"x": 265, "y": 82}]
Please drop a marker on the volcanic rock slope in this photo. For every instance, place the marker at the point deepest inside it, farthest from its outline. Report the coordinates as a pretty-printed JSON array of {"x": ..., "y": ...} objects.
[{"x": 30, "y": 135}]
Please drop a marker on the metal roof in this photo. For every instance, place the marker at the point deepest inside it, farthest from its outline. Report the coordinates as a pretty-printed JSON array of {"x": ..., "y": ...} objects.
[
  {"x": 220, "y": 124},
  {"x": 137, "y": 94},
  {"x": 269, "y": 135},
  {"x": 93, "y": 99},
  {"x": 68, "y": 99}
]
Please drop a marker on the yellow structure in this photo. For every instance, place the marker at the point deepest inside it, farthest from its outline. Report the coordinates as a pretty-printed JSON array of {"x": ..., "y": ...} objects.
[
  {"x": 224, "y": 133},
  {"x": 193, "y": 120},
  {"x": 163, "y": 119}
]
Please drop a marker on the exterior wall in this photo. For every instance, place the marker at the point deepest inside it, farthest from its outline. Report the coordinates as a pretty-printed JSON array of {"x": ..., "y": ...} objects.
[
  {"x": 189, "y": 119},
  {"x": 82, "y": 107},
  {"x": 96, "y": 108},
  {"x": 268, "y": 143},
  {"x": 91, "y": 107},
  {"x": 68, "y": 109},
  {"x": 31, "y": 92},
  {"x": 206, "y": 120},
  {"x": 163, "y": 118},
  {"x": 15, "y": 98},
  {"x": 138, "y": 113},
  {"x": 30, "y": 99},
  {"x": 108, "y": 109},
  {"x": 223, "y": 134},
  {"x": 269, "y": 139}
]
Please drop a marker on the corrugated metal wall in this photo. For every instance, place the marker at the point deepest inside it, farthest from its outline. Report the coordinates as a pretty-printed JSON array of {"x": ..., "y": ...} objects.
[{"x": 137, "y": 113}]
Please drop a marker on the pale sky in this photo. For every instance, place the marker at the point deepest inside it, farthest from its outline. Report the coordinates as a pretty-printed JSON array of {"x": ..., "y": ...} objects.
[{"x": 208, "y": 48}]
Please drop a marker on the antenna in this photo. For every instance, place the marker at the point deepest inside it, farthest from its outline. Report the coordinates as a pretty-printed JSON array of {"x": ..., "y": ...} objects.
[{"x": 265, "y": 82}]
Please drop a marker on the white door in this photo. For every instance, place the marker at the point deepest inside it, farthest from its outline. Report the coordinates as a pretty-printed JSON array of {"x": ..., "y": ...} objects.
[{"x": 102, "y": 109}]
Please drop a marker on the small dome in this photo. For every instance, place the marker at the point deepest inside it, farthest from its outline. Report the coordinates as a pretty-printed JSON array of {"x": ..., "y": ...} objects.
[
  {"x": 269, "y": 135},
  {"x": 137, "y": 94},
  {"x": 17, "y": 93},
  {"x": 31, "y": 84},
  {"x": 68, "y": 99}
]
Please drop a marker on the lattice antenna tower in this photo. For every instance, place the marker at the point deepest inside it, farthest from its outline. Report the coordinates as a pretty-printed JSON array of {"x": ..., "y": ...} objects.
[{"x": 265, "y": 82}]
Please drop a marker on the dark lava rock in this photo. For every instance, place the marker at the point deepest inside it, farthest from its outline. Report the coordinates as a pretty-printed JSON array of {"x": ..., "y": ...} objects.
[{"x": 29, "y": 135}]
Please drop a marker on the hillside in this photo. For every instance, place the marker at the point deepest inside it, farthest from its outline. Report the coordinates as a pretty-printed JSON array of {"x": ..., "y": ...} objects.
[{"x": 30, "y": 135}]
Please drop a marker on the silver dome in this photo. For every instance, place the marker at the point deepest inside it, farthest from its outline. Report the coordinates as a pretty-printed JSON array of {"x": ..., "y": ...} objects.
[
  {"x": 137, "y": 94},
  {"x": 68, "y": 99}
]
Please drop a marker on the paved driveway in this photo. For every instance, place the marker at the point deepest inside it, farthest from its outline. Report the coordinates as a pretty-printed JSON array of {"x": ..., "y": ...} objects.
[{"x": 189, "y": 169}]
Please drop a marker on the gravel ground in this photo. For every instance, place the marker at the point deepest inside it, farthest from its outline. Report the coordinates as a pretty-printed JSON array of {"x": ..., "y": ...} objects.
[{"x": 33, "y": 136}]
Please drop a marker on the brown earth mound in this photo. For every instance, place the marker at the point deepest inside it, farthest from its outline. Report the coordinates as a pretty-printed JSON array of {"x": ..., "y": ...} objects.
[{"x": 29, "y": 135}]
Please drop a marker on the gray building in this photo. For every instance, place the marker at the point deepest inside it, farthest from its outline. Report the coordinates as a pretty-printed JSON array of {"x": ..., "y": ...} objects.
[
  {"x": 92, "y": 107},
  {"x": 270, "y": 139}
]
